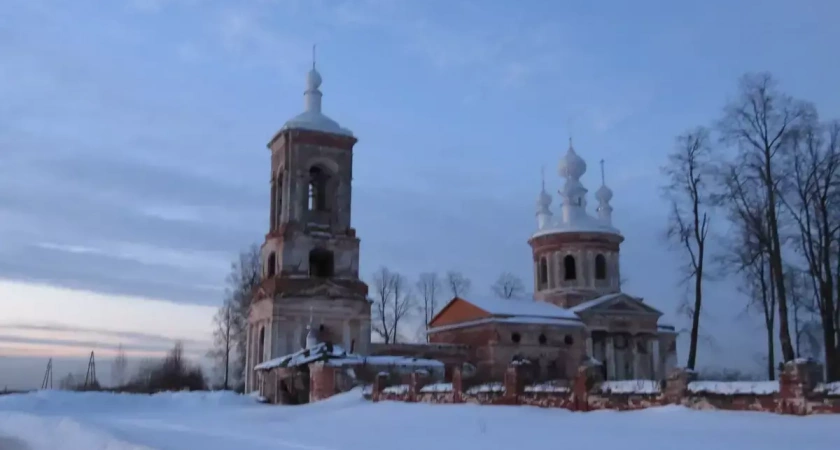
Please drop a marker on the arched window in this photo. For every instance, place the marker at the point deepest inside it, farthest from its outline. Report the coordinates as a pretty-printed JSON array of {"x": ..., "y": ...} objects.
[
  {"x": 515, "y": 337},
  {"x": 569, "y": 269},
  {"x": 543, "y": 273},
  {"x": 261, "y": 346},
  {"x": 320, "y": 263},
  {"x": 600, "y": 267},
  {"x": 270, "y": 265},
  {"x": 318, "y": 181}
]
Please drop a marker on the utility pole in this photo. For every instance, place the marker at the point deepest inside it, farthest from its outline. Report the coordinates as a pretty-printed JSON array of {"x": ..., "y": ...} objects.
[{"x": 47, "y": 383}]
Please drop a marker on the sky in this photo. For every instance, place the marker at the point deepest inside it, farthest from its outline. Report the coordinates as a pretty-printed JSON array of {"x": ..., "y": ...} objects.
[{"x": 133, "y": 160}]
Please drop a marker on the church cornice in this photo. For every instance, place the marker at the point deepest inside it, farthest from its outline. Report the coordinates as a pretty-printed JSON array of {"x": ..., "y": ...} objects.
[{"x": 311, "y": 137}]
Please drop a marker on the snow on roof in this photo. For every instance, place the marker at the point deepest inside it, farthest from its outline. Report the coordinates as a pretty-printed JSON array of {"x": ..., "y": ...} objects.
[
  {"x": 515, "y": 319},
  {"x": 320, "y": 352},
  {"x": 584, "y": 224},
  {"x": 337, "y": 357},
  {"x": 384, "y": 360},
  {"x": 734, "y": 387},
  {"x": 631, "y": 387},
  {"x": 597, "y": 301},
  {"x": 316, "y": 121},
  {"x": 532, "y": 308}
]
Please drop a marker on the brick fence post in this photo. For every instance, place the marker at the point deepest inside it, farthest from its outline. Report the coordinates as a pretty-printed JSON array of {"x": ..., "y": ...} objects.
[
  {"x": 413, "y": 387},
  {"x": 378, "y": 385},
  {"x": 580, "y": 391},
  {"x": 513, "y": 388},
  {"x": 456, "y": 385},
  {"x": 676, "y": 385},
  {"x": 796, "y": 382}
]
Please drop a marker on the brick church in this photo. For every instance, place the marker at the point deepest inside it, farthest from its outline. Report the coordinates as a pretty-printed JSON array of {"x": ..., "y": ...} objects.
[{"x": 312, "y": 306}]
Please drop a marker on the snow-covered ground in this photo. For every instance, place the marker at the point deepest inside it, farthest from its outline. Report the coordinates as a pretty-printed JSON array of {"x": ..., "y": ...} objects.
[{"x": 91, "y": 421}]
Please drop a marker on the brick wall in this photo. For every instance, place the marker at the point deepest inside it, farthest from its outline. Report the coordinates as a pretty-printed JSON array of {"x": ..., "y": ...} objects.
[
  {"x": 322, "y": 380},
  {"x": 796, "y": 393}
]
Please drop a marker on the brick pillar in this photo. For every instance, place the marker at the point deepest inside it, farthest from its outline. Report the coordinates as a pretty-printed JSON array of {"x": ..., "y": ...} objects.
[
  {"x": 580, "y": 391},
  {"x": 413, "y": 386},
  {"x": 456, "y": 385},
  {"x": 378, "y": 385},
  {"x": 796, "y": 382},
  {"x": 676, "y": 385},
  {"x": 321, "y": 382},
  {"x": 513, "y": 389}
]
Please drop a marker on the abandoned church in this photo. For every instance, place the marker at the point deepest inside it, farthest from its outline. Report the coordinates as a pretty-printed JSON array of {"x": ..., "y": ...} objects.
[{"x": 311, "y": 313}]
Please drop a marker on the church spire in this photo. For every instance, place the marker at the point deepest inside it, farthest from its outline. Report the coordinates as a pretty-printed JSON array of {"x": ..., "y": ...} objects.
[
  {"x": 312, "y": 95},
  {"x": 604, "y": 195},
  {"x": 543, "y": 206}
]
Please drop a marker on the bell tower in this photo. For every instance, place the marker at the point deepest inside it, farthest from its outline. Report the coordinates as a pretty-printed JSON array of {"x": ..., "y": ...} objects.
[{"x": 310, "y": 285}]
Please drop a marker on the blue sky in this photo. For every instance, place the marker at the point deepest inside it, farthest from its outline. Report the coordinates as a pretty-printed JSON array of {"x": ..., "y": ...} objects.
[{"x": 133, "y": 164}]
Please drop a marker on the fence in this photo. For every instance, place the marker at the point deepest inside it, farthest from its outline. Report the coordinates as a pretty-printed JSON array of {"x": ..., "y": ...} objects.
[{"x": 798, "y": 392}]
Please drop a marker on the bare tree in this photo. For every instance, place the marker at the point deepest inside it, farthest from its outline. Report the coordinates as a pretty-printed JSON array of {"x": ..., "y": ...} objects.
[
  {"x": 689, "y": 173},
  {"x": 393, "y": 301},
  {"x": 403, "y": 302},
  {"x": 243, "y": 279},
  {"x": 758, "y": 124},
  {"x": 813, "y": 199},
  {"x": 383, "y": 286},
  {"x": 429, "y": 287},
  {"x": 223, "y": 344},
  {"x": 119, "y": 367},
  {"x": 747, "y": 250},
  {"x": 508, "y": 286},
  {"x": 458, "y": 284}
]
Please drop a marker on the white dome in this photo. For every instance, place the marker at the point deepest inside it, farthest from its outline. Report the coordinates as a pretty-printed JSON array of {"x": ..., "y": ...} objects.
[
  {"x": 571, "y": 165},
  {"x": 313, "y": 79},
  {"x": 604, "y": 194},
  {"x": 312, "y": 118}
]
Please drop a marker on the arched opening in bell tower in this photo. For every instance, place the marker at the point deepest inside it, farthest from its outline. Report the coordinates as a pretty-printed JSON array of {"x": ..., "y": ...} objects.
[
  {"x": 321, "y": 263},
  {"x": 569, "y": 269},
  {"x": 270, "y": 265},
  {"x": 600, "y": 267},
  {"x": 543, "y": 273},
  {"x": 317, "y": 196}
]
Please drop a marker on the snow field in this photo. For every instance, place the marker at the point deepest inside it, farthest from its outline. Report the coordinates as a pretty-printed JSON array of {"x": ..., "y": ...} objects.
[{"x": 215, "y": 421}]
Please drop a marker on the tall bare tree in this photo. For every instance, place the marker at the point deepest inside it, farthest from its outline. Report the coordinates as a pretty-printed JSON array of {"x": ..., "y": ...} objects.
[
  {"x": 690, "y": 172},
  {"x": 223, "y": 343},
  {"x": 393, "y": 301},
  {"x": 813, "y": 199},
  {"x": 119, "y": 368},
  {"x": 508, "y": 286},
  {"x": 747, "y": 249},
  {"x": 458, "y": 284},
  {"x": 429, "y": 287},
  {"x": 757, "y": 124},
  {"x": 244, "y": 277}
]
